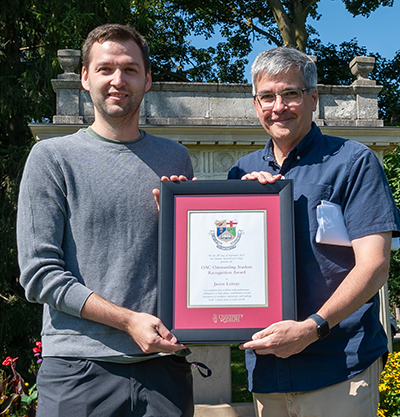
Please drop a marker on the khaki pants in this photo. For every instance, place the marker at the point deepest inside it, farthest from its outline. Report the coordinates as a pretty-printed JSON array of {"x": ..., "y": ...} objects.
[{"x": 356, "y": 397}]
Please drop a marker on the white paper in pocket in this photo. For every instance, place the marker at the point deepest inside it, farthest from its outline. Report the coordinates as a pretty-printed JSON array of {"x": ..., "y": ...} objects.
[{"x": 331, "y": 227}]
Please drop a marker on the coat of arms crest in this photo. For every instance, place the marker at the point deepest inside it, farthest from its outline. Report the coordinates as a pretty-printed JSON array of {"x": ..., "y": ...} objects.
[{"x": 226, "y": 234}]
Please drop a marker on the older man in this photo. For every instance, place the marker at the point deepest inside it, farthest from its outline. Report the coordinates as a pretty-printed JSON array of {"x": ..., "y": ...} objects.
[{"x": 328, "y": 362}]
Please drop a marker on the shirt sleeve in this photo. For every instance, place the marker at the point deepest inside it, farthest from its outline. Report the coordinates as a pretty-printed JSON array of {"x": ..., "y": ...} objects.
[
  {"x": 368, "y": 205},
  {"x": 41, "y": 218}
]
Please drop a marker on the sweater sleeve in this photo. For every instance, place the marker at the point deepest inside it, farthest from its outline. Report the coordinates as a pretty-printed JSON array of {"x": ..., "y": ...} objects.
[{"x": 41, "y": 219}]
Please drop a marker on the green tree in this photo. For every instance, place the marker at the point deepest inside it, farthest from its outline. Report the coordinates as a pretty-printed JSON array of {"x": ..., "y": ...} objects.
[
  {"x": 168, "y": 28},
  {"x": 387, "y": 73},
  {"x": 392, "y": 170},
  {"x": 281, "y": 22},
  {"x": 30, "y": 34},
  {"x": 333, "y": 60}
]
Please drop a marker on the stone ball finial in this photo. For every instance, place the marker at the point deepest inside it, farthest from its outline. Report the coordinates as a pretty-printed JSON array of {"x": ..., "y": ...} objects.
[{"x": 69, "y": 59}]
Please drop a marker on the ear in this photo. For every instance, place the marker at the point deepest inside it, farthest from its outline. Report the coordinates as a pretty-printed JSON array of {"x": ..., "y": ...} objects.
[
  {"x": 314, "y": 96},
  {"x": 257, "y": 109},
  {"x": 148, "y": 82},
  {"x": 85, "y": 78}
]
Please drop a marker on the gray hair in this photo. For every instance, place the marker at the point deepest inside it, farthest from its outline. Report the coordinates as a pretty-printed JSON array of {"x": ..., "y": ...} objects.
[{"x": 277, "y": 60}]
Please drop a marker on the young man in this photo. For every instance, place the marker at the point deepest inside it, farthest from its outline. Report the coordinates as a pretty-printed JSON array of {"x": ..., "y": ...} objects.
[
  {"x": 87, "y": 240},
  {"x": 328, "y": 362}
]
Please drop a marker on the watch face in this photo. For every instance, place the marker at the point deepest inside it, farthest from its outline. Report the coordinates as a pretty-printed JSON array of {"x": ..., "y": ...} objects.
[
  {"x": 322, "y": 325},
  {"x": 323, "y": 330}
]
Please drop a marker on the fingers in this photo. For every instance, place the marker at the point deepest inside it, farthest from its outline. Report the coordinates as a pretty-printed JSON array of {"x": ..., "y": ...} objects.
[
  {"x": 282, "y": 339},
  {"x": 254, "y": 344},
  {"x": 158, "y": 344},
  {"x": 156, "y": 193},
  {"x": 175, "y": 178},
  {"x": 163, "y": 340},
  {"x": 262, "y": 176},
  {"x": 258, "y": 340},
  {"x": 151, "y": 334},
  {"x": 165, "y": 333}
]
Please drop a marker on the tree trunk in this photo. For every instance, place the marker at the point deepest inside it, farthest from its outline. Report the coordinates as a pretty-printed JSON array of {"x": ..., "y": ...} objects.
[{"x": 293, "y": 30}]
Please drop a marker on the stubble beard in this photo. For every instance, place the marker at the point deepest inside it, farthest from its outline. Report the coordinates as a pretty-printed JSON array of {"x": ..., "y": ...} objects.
[{"x": 116, "y": 115}]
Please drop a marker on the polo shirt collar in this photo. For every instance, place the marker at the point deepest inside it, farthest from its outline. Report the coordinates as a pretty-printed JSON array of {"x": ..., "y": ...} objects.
[{"x": 296, "y": 153}]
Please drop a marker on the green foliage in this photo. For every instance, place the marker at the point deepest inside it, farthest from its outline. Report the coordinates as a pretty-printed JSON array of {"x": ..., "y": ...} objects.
[
  {"x": 19, "y": 327},
  {"x": 392, "y": 169},
  {"x": 391, "y": 165},
  {"x": 365, "y": 7},
  {"x": 394, "y": 279},
  {"x": 281, "y": 23},
  {"x": 15, "y": 397},
  {"x": 167, "y": 27},
  {"x": 387, "y": 73},
  {"x": 333, "y": 60},
  {"x": 396, "y": 345},
  {"x": 30, "y": 35},
  {"x": 240, "y": 392}
]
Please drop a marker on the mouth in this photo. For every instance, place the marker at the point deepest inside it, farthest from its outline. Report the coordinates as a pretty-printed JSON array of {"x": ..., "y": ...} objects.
[
  {"x": 117, "y": 96},
  {"x": 281, "y": 121}
]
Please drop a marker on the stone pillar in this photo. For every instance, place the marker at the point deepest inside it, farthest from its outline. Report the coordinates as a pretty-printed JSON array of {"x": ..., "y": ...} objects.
[
  {"x": 366, "y": 91},
  {"x": 216, "y": 389},
  {"x": 67, "y": 87}
]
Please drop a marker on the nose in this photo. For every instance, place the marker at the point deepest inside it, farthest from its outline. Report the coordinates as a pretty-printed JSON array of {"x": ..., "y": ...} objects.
[
  {"x": 279, "y": 104},
  {"x": 117, "y": 78}
]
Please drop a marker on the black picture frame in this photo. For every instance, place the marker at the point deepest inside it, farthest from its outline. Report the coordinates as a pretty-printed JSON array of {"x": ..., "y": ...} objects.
[{"x": 167, "y": 279}]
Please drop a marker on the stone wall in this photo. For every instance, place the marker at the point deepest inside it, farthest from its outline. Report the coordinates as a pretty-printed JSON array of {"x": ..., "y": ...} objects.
[
  {"x": 213, "y": 104},
  {"x": 217, "y": 122}
]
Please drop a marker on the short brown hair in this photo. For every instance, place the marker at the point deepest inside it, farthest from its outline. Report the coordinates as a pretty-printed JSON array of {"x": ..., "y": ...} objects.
[{"x": 115, "y": 32}]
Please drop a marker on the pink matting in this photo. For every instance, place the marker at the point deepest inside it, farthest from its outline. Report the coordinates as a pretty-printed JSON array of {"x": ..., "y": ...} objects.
[{"x": 205, "y": 318}]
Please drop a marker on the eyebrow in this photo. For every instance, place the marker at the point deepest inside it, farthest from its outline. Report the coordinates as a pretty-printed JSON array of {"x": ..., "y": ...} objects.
[{"x": 125, "y": 64}]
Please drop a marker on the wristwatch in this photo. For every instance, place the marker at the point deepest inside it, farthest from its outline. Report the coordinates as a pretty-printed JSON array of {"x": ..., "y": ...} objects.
[{"x": 322, "y": 326}]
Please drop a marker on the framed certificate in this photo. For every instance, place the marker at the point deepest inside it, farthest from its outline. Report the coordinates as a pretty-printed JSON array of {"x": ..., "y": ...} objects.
[{"x": 226, "y": 258}]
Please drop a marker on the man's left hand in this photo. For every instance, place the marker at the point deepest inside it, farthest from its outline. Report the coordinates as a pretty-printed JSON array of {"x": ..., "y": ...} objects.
[{"x": 262, "y": 176}]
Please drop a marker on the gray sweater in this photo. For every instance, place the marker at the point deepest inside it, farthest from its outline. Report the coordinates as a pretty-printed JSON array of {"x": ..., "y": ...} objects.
[{"x": 88, "y": 222}]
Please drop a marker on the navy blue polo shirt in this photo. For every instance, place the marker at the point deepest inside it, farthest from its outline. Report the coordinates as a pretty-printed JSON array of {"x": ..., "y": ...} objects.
[{"x": 347, "y": 173}]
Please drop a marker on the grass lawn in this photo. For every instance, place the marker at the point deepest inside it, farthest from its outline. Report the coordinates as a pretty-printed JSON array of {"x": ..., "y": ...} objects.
[{"x": 239, "y": 380}]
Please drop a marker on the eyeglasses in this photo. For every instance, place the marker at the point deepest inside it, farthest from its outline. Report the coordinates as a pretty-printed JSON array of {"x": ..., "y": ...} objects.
[{"x": 291, "y": 98}]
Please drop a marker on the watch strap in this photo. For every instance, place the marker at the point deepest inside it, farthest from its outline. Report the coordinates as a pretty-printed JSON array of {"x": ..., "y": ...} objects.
[{"x": 322, "y": 326}]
